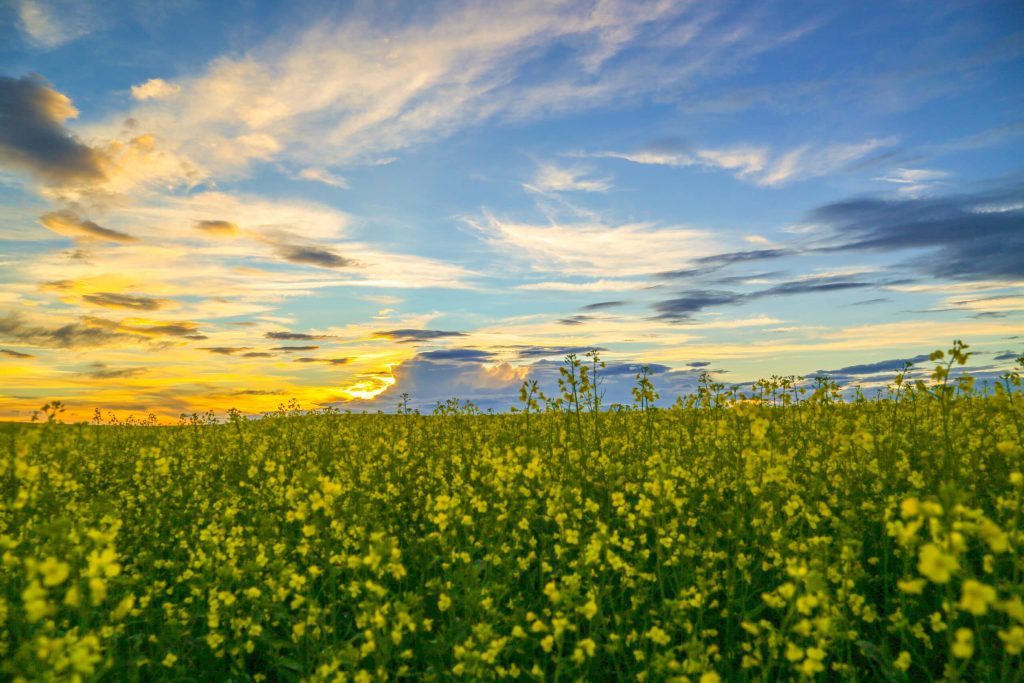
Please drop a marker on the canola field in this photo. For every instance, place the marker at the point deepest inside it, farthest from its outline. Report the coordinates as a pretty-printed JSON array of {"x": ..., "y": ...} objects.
[{"x": 783, "y": 534}]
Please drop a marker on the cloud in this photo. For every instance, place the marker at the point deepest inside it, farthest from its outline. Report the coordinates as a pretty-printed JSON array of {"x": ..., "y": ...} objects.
[
  {"x": 225, "y": 350},
  {"x": 884, "y": 366},
  {"x": 758, "y": 164},
  {"x": 103, "y": 371},
  {"x": 969, "y": 237},
  {"x": 217, "y": 228},
  {"x": 356, "y": 89},
  {"x": 710, "y": 264},
  {"x": 551, "y": 178},
  {"x": 115, "y": 300},
  {"x": 155, "y": 89},
  {"x": 313, "y": 256},
  {"x": 293, "y": 336},
  {"x": 324, "y": 176},
  {"x": 913, "y": 182},
  {"x": 50, "y": 24},
  {"x": 592, "y": 248},
  {"x": 328, "y": 361},
  {"x": 550, "y": 351},
  {"x": 457, "y": 355},
  {"x": 603, "y": 305},
  {"x": 67, "y": 223},
  {"x": 14, "y": 328},
  {"x": 15, "y": 354},
  {"x": 409, "y": 335},
  {"x": 257, "y": 354},
  {"x": 681, "y": 308},
  {"x": 1009, "y": 355},
  {"x": 292, "y": 349},
  {"x": 33, "y": 136},
  {"x": 592, "y": 286}
]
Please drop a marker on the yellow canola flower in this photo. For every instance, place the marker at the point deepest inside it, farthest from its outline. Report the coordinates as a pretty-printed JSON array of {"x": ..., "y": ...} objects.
[
  {"x": 976, "y": 597},
  {"x": 53, "y": 571},
  {"x": 1013, "y": 639},
  {"x": 935, "y": 564},
  {"x": 963, "y": 643},
  {"x": 902, "y": 662}
]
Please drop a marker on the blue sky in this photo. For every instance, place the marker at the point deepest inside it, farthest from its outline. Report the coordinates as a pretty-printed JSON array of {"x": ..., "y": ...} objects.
[{"x": 232, "y": 204}]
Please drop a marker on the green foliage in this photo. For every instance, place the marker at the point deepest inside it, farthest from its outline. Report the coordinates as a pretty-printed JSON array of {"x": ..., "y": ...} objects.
[{"x": 781, "y": 535}]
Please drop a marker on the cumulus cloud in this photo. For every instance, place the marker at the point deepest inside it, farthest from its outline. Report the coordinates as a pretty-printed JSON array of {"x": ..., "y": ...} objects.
[
  {"x": 155, "y": 89},
  {"x": 69, "y": 224},
  {"x": 33, "y": 136}
]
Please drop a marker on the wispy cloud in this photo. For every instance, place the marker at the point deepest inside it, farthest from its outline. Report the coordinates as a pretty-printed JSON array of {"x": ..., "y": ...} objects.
[
  {"x": 69, "y": 224},
  {"x": 595, "y": 249},
  {"x": 758, "y": 164},
  {"x": 127, "y": 301},
  {"x": 914, "y": 182},
  {"x": 552, "y": 178}
]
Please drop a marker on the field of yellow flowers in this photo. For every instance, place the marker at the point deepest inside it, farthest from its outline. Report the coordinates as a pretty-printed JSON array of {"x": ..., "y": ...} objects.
[{"x": 780, "y": 535}]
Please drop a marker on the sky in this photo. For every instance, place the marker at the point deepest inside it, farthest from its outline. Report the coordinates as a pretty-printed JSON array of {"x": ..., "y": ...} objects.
[{"x": 237, "y": 204}]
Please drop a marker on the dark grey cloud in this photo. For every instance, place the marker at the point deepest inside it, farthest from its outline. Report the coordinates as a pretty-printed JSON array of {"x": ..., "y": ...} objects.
[
  {"x": 293, "y": 336},
  {"x": 1008, "y": 355},
  {"x": 575, "y": 319},
  {"x": 891, "y": 365},
  {"x": 224, "y": 350},
  {"x": 869, "y": 302},
  {"x": 698, "y": 364},
  {"x": 257, "y": 354},
  {"x": 15, "y": 354},
  {"x": 14, "y": 328},
  {"x": 104, "y": 371},
  {"x": 548, "y": 351},
  {"x": 710, "y": 264},
  {"x": 292, "y": 349},
  {"x": 69, "y": 224},
  {"x": 602, "y": 305},
  {"x": 409, "y": 335},
  {"x": 313, "y": 256},
  {"x": 457, "y": 355},
  {"x": 129, "y": 301},
  {"x": 218, "y": 228},
  {"x": 328, "y": 361},
  {"x": 811, "y": 286},
  {"x": 33, "y": 136},
  {"x": 969, "y": 236},
  {"x": 682, "y": 308},
  {"x": 257, "y": 392}
]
